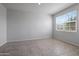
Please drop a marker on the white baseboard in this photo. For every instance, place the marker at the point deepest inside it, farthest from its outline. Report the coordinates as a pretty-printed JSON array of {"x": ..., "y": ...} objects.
[
  {"x": 3, "y": 43},
  {"x": 70, "y": 42},
  {"x": 31, "y": 39}
]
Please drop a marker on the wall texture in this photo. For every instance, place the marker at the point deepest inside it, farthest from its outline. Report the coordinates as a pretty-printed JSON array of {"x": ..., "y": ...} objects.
[
  {"x": 71, "y": 37},
  {"x": 26, "y": 26},
  {"x": 3, "y": 25}
]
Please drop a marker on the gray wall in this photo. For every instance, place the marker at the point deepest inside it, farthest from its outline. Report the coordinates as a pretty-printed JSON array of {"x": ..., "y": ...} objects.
[
  {"x": 29, "y": 25},
  {"x": 3, "y": 25},
  {"x": 71, "y": 37}
]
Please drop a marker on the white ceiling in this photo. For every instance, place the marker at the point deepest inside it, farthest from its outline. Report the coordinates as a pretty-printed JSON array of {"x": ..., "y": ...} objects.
[{"x": 51, "y": 8}]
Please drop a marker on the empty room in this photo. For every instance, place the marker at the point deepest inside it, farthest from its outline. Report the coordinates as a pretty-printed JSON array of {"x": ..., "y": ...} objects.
[{"x": 44, "y": 29}]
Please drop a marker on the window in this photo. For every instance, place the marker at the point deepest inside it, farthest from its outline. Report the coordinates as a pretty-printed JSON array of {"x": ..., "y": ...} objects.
[{"x": 67, "y": 22}]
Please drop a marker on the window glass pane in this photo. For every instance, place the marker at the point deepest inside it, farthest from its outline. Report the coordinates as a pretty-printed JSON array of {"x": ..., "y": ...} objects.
[
  {"x": 72, "y": 28},
  {"x": 72, "y": 24},
  {"x": 60, "y": 21},
  {"x": 72, "y": 15},
  {"x": 67, "y": 22},
  {"x": 66, "y": 28}
]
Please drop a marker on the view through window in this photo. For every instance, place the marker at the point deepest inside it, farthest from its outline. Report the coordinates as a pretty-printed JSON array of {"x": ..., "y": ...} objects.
[{"x": 67, "y": 22}]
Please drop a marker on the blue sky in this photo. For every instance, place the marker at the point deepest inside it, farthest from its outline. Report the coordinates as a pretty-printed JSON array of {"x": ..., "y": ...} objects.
[{"x": 61, "y": 19}]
